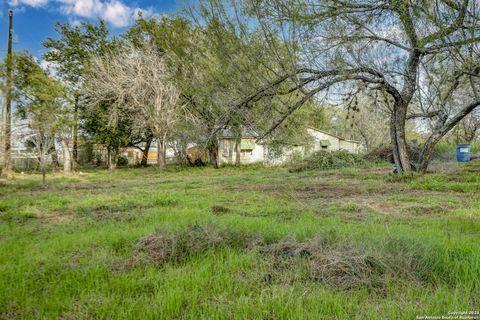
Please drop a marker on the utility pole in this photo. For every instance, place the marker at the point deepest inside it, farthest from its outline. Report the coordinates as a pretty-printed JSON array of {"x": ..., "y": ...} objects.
[{"x": 8, "y": 100}]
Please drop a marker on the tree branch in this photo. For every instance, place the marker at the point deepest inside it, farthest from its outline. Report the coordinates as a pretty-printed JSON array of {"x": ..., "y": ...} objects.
[{"x": 423, "y": 115}]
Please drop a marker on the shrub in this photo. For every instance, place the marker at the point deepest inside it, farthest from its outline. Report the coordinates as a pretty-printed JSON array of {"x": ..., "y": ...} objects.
[
  {"x": 122, "y": 161},
  {"x": 385, "y": 153},
  {"x": 324, "y": 160}
]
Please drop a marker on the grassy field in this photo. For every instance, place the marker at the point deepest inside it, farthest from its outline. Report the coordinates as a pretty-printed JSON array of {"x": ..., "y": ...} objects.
[{"x": 240, "y": 243}]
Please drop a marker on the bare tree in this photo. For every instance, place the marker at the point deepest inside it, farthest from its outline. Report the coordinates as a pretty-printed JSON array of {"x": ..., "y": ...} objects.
[
  {"x": 137, "y": 78},
  {"x": 469, "y": 129},
  {"x": 42, "y": 142}
]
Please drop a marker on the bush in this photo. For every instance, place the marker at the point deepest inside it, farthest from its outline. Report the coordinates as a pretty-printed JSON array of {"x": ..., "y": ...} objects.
[
  {"x": 324, "y": 160},
  {"x": 385, "y": 153},
  {"x": 122, "y": 161}
]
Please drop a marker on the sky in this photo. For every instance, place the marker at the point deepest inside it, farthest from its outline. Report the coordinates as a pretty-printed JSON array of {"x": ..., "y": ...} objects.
[{"x": 34, "y": 20}]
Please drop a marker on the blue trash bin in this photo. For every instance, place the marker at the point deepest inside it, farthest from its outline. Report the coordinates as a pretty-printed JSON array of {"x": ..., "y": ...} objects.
[{"x": 463, "y": 152}]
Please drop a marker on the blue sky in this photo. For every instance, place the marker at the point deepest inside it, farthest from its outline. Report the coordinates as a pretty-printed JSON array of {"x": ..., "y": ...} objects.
[{"x": 34, "y": 19}]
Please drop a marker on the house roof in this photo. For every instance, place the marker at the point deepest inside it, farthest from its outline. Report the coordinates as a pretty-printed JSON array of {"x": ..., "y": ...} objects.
[{"x": 333, "y": 135}]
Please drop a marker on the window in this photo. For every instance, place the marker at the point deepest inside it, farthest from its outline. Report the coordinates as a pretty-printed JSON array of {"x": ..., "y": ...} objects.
[
  {"x": 324, "y": 144},
  {"x": 244, "y": 153}
]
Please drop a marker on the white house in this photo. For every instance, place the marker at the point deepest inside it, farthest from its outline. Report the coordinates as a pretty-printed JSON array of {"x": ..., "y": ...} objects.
[
  {"x": 250, "y": 151},
  {"x": 258, "y": 152}
]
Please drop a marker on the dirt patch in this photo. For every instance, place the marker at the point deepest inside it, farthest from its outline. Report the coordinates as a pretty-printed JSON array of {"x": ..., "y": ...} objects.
[
  {"x": 427, "y": 210},
  {"x": 327, "y": 191},
  {"x": 408, "y": 209},
  {"x": 10, "y": 314},
  {"x": 56, "y": 217},
  {"x": 219, "y": 210},
  {"x": 113, "y": 212}
]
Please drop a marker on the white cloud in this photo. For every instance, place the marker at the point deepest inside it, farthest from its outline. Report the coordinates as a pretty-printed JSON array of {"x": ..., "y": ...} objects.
[
  {"x": 32, "y": 3},
  {"x": 115, "y": 12},
  {"x": 144, "y": 13},
  {"x": 83, "y": 8},
  {"x": 75, "y": 22}
]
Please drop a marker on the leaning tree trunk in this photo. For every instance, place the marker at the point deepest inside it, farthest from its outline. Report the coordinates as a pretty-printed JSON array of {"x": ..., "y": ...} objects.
[
  {"x": 148, "y": 144},
  {"x": 439, "y": 133},
  {"x": 398, "y": 138},
  {"x": 427, "y": 151},
  {"x": 67, "y": 159}
]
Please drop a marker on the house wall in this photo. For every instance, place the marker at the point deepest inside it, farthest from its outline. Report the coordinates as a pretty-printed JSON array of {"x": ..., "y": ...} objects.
[
  {"x": 318, "y": 136},
  {"x": 228, "y": 155},
  {"x": 350, "y": 146},
  {"x": 169, "y": 152},
  {"x": 287, "y": 154},
  {"x": 260, "y": 153},
  {"x": 335, "y": 142}
]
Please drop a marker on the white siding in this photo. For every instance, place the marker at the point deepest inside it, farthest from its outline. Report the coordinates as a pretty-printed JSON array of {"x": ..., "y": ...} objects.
[
  {"x": 287, "y": 154},
  {"x": 336, "y": 143},
  {"x": 228, "y": 155}
]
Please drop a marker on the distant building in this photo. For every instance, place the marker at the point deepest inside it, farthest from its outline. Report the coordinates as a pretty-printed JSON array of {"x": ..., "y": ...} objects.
[{"x": 252, "y": 151}]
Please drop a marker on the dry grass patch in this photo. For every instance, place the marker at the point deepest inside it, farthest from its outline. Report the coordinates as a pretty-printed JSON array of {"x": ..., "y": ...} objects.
[
  {"x": 328, "y": 260},
  {"x": 159, "y": 249},
  {"x": 343, "y": 267}
]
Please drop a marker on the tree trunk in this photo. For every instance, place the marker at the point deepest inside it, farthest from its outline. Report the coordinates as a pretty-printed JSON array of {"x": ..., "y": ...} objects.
[
  {"x": 161, "y": 153},
  {"x": 75, "y": 135},
  {"x": 398, "y": 138},
  {"x": 67, "y": 159},
  {"x": 112, "y": 159},
  {"x": 213, "y": 152},
  {"x": 427, "y": 152},
  {"x": 44, "y": 171},
  {"x": 109, "y": 157},
  {"x": 53, "y": 153},
  {"x": 238, "y": 150},
  {"x": 144, "y": 161}
]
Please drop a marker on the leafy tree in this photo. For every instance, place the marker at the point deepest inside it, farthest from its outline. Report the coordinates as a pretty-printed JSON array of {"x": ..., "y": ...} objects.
[
  {"x": 212, "y": 69},
  {"x": 352, "y": 47},
  {"x": 70, "y": 56},
  {"x": 110, "y": 127},
  {"x": 41, "y": 102}
]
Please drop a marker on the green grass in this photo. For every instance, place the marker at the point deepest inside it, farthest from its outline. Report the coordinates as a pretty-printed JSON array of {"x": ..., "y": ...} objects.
[{"x": 240, "y": 243}]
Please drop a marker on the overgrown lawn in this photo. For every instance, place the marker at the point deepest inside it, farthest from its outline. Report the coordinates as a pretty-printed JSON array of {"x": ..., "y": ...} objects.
[{"x": 240, "y": 243}]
